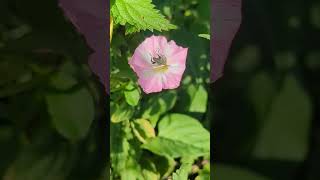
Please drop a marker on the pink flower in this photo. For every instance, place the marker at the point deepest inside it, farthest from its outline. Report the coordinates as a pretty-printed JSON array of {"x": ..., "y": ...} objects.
[{"x": 159, "y": 64}]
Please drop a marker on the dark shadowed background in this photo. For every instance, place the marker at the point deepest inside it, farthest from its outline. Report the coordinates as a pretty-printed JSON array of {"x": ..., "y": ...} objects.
[
  {"x": 266, "y": 106},
  {"x": 52, "y": 107}
]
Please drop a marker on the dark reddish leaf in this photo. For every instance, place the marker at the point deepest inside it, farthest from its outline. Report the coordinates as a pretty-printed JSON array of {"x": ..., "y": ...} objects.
[
  {"x": 90, "y": 19},
  {"x": 226, "y": 19}
]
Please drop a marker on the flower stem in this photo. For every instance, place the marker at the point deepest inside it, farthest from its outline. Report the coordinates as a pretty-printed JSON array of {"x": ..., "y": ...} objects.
[{"x": 111, "y": 28}]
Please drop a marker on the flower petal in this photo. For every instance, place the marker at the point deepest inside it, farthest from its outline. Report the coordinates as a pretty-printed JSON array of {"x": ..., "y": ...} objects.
[
  {"x": 151, "y": 84},
  {"x": 171, "y": 80},
  {"x": 178, "y": 57},
  {"x": 154, "y": 77}
]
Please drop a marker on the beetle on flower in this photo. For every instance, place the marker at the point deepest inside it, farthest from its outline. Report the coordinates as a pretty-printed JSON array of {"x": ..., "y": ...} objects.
[{"x": 159, "y": 64}]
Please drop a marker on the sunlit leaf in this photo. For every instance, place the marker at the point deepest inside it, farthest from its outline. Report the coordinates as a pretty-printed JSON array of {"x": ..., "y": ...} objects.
[
  {"x": 159, "y": 105},
  {"x": 183, "y": 172},
  {"x": 143, "y": 129},
  {"x": 132, "y": 95},
  {"x": 171, "y": 140},
  {"x": 140, "y": 15},
  {"x": 206, "y": 36},
  {"x": 199, "y": 99}
]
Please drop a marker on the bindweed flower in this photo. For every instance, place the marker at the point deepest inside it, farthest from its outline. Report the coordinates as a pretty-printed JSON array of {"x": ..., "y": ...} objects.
[{"x": 159, "y": 64}]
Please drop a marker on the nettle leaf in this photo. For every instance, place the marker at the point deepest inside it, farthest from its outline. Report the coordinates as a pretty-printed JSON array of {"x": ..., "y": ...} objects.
[
  {"x": 72, "y": 114},
  {"x": 139, "y": 15},
  {"x": 180, "y": 135}
]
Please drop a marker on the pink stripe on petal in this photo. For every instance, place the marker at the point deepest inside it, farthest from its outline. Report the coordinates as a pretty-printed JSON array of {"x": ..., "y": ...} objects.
[
  {"x": 151, "y": 84},
  {"x": 176, "y": 69},
  {"x": 171, "y": 48},
  {"x": 178, "y": 57},
  {"x": 140, "y": 58},
  {"x": 171, "y": 80}
]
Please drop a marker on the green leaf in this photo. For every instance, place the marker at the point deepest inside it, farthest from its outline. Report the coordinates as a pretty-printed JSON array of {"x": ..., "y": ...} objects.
[
  {"x": 165, "y": 165},
  {"x": 180, "y": 135},
  {"x": 132, "y": 95},
  {"x": 206, "y": 36},
  {"x": 34, "y": 164},
  {"x": 183, "y": 172},
  {"x": 199, "y": 100},
  {"x": 124, "y": 153},
  {"x": 262, "y": 90},
  {"x": 229, "y": 172},
  {"x": 285, "y": 133},
  {"x": 142, "y": 129},
  {"x": 139, "y": 15},
  {"x": 65, "y": 78},
  {"x": 120, "y": 112},
  {"x": 149, "y": 170},
  {"x": 119, "y": 147},
  {"x": 158, "y": 105},
  {"x": 204, "y": 174},
  {"x": 72, "y": 114},
  {"x": 62, "y": 81}
]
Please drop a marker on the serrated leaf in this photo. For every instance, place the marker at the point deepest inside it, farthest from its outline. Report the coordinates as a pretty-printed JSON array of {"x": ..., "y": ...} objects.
[
  {"x": 72, "y": 114},
  {"x": 180, "y": 135},
  {"x": 139, "y": 15}
]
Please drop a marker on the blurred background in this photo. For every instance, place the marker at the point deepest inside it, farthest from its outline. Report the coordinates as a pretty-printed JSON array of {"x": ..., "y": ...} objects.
[
  {"x": 266, "y": 106},
  {"x": 52, "y": 107}
]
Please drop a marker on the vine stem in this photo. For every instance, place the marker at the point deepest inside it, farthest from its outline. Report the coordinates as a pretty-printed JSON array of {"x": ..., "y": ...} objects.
[{"x": 111, "y": 28}]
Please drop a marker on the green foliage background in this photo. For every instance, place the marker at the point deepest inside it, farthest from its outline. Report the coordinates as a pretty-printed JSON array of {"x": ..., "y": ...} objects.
[{"x": 162, "y": 135}]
